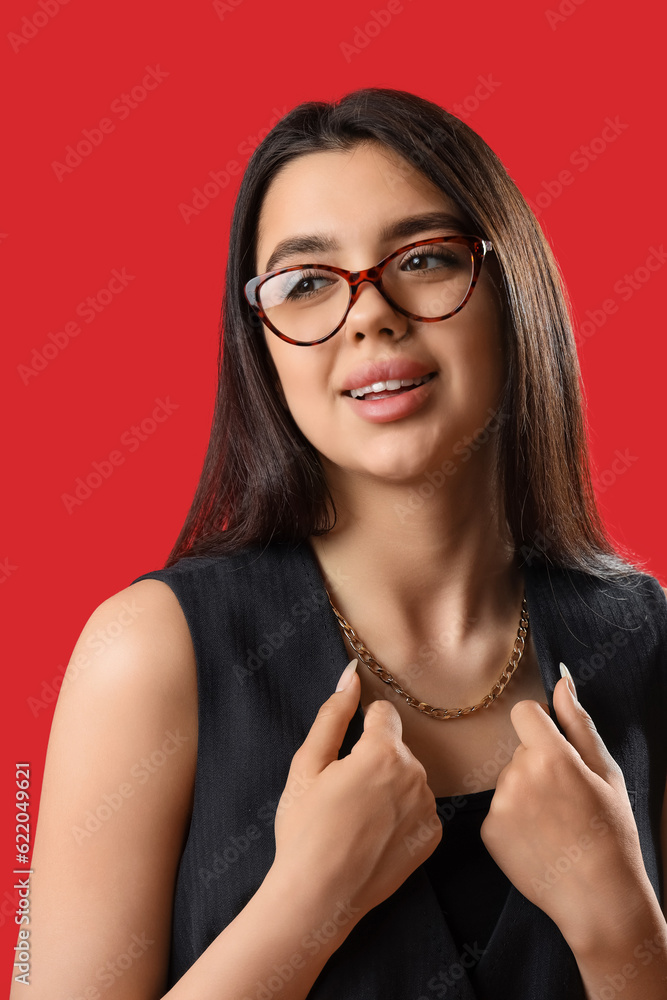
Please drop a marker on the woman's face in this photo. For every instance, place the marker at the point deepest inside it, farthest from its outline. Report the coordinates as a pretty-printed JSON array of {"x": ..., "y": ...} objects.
[{"x": 349, "y": 198}]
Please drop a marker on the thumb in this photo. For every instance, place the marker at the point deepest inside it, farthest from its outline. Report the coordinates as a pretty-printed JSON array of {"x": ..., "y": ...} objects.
[
  {"x": 382, "y": 717},
  {"x": 580, "y": 729},
  {"x": 382, "y": 721},
  {"x": 326, "y": 734}
]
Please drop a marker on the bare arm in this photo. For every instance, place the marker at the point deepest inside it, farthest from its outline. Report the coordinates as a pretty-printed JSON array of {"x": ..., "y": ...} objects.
[
  {"x": 114, "y": 812},
  {"x": 276, "y": 946}
]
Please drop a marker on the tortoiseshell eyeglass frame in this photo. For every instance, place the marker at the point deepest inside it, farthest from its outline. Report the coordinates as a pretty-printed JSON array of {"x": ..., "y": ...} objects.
[{"x": 478, "y": 247}]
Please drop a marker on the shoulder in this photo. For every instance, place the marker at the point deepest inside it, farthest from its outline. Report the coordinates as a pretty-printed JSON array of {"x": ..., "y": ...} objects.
[
  {"x": 142, "y": 629},
  {"x": 129, "y": 690},
  {"x": 131, "y": 677},
  {"x": 633, "y": 601},
  {"x": 637, "y": 595}
]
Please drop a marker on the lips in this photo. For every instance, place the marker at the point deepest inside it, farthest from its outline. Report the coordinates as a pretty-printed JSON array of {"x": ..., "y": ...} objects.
[
  {"x": 384, "y": 371},
  {"x": 388, "y": 407},
  {"x": 388, "y": 393}
]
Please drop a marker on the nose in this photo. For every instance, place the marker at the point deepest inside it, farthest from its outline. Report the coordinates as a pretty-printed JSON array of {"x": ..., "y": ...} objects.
[{"x": 370, "y": 312}]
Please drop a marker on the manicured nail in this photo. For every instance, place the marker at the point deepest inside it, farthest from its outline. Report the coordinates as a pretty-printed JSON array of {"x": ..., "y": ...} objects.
[
  {"x": 564, "y": 672},
  {"x": 346, "y": 676}
]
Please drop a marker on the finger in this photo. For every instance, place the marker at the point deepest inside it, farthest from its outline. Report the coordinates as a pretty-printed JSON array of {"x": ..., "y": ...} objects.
[
  {"x": 382, "y": 717},
  {"x": 381, "y": 721},
  {"x": 581, "y": 732},
  {"x": 533, "y": 724},
  {"x": 323, "y": 742}
]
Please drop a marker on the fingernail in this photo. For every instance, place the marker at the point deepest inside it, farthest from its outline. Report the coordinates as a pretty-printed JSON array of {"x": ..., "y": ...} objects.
[
  {"x": 564, "y": 672},
  {"x": 346, "y": 676}
]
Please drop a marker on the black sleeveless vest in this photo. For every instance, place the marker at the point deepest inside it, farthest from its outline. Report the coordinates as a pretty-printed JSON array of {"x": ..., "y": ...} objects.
[{"x": 269, "y": 652}]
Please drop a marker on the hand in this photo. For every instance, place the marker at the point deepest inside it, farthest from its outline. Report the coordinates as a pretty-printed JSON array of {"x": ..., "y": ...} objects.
[
  {"x": 560, "y": 824},
  {"x": 361, "y": 825}
]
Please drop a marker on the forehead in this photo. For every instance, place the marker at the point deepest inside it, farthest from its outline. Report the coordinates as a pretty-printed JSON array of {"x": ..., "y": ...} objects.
[{"x": 346, "y": 193}]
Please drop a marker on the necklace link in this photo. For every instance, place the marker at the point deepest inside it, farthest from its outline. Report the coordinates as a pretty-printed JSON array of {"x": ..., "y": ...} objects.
[{"x": 369, "y": 660}]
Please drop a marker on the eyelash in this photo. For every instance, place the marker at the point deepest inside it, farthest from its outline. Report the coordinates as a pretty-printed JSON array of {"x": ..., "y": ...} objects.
[{"x": 438, "y": 250}]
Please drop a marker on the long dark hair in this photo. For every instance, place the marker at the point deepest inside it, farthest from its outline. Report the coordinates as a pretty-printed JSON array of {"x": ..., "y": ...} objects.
[{"x": 262, "y": 479}]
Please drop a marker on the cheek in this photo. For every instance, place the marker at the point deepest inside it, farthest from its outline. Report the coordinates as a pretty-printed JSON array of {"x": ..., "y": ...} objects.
[
  {"x": 310, "y": 404},
  {"x": 304, "y": 382}
]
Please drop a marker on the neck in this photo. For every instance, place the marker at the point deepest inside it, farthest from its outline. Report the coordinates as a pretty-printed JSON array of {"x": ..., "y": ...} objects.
[{"x": 439, "y": 563}]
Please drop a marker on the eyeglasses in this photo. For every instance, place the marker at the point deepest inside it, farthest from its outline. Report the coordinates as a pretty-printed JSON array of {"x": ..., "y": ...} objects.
[{"x": 428, "y": 281}]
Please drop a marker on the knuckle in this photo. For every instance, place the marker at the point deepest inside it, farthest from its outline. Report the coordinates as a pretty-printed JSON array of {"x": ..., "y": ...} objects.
[
  {"x": 383, "y": 756},
  {"x": 383, "y": 707},
  {"x": 615, "y": 770},
  {"x": 299, "y": 758},
  {"x": 414, "y": 762}
]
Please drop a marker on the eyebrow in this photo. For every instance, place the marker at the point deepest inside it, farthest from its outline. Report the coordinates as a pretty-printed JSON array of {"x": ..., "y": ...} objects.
[{"x": 399, "y": 229}]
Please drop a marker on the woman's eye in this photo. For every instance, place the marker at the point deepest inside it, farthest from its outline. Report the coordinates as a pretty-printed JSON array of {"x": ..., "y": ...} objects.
[
  {"x": 307, "y": 286},
  {"x": 436, "y": 259},
  {"x": 422, "y": 261}
]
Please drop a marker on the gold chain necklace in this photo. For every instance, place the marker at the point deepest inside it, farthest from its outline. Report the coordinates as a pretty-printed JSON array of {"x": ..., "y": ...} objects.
[{"x": 439, "y": 713}]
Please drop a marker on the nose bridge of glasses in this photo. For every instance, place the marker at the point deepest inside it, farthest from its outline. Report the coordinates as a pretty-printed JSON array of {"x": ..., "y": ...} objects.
[{"x": 358, "y": 278}]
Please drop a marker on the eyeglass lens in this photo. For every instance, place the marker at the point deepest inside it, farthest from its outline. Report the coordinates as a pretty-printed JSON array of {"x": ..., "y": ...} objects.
[{"x": 428, "y": 281}]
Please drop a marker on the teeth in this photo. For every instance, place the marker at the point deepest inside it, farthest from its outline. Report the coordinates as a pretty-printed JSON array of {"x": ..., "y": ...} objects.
[{"x": 392, "y": 383}]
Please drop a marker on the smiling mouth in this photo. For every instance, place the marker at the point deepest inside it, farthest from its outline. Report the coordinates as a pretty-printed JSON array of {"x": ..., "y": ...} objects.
[{"x": 391, "y": 392}]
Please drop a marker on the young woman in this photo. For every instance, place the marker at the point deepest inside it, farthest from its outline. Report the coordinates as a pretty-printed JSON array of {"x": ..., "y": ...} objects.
[{"x": 397, "y": 477}]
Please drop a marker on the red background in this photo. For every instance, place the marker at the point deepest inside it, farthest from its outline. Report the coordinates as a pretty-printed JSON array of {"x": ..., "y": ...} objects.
[{"x": 230, "y": 69}]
